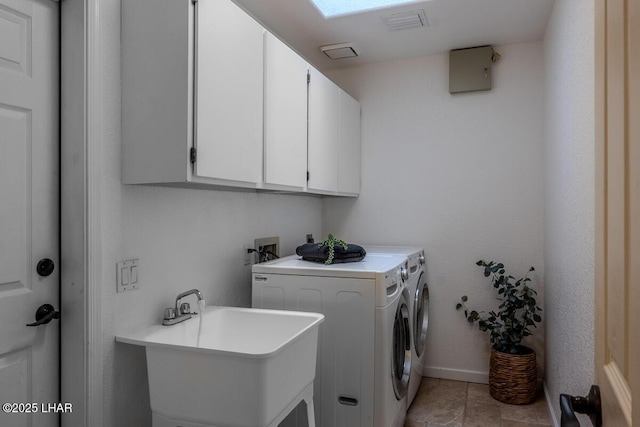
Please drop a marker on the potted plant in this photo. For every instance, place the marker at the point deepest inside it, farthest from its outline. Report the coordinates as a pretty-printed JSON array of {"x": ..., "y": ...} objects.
[
  {"x": 512, "y": 367},
  {"x": 331, "y": 250},
  {"x": 331, "y": 242}
]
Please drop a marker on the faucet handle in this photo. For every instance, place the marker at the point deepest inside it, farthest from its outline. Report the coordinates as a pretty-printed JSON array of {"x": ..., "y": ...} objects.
[
  {"x": 185, "y": 308},
  {"x": 169, "y": 313}
]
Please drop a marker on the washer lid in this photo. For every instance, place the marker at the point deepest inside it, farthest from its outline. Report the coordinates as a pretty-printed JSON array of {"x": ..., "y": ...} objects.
[
  {"x": 413, "y": 253},
  {"x": 407, "y": 251},
  {"x": 371, "y": 267}
]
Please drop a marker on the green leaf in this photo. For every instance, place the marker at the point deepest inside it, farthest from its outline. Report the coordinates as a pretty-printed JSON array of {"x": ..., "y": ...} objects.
[
  {"x": 464, "y": 298},
  {"x": 537, "y": 318},
  {"x": 458, "y": 306}
]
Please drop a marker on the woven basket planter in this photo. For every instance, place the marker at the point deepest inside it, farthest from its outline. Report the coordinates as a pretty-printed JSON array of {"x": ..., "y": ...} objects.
[{"x": 513, "y": 377}]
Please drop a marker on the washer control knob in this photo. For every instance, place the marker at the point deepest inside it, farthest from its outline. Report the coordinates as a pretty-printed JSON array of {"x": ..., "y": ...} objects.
[
  {"x": 404, "y": 274},
  {"x": 422, "y": 259}
]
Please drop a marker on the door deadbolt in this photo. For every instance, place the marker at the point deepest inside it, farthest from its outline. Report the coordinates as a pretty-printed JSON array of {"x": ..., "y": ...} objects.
[{"x": 45, "y": 267}]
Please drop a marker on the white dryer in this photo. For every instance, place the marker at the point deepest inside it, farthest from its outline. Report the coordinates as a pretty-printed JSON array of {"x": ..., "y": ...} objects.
[
  {"x": 418, "y": 305},
  {"x": 366, "y": 312}
]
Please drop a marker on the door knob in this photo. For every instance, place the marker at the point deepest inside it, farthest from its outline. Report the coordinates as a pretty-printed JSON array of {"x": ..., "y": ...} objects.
[
  {"x": 45, "y": 267},
  {"x": 588, "y": 405},
  {"x": 44, "y": 315}
]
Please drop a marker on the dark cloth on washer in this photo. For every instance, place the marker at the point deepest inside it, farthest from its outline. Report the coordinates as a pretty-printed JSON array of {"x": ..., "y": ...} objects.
[{"x": 313, "y": 252}]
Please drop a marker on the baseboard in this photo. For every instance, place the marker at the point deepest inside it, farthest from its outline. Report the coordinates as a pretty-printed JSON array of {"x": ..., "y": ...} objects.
[
  {"x": 456, "y": 374},
  {"x": 478, "y": 377},
  {"x": 552, "y": 412}
]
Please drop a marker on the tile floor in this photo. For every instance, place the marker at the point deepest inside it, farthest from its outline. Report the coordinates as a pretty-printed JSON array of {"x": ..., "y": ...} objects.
[{"x": 449, "y": 403}]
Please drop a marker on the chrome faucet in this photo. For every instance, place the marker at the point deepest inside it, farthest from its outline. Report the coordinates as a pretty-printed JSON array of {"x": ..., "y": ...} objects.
[{"x": 181, "y": 312}]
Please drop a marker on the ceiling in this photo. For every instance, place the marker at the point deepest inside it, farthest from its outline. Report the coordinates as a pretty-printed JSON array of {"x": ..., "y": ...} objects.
[{"x": 453, "y": 24}]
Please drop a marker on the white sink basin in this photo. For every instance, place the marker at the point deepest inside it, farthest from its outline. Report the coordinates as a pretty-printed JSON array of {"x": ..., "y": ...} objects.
[{"x": 241, "y": 367}]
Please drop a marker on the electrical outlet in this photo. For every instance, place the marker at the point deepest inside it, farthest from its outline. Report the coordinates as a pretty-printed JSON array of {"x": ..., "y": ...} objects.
[{"x": 127, "y": 275}]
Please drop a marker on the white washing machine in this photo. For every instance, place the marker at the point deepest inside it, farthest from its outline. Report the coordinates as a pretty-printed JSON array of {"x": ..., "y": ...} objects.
[
  {"x": 418, "y": 306},
  {"x": 366, "y": 312}
]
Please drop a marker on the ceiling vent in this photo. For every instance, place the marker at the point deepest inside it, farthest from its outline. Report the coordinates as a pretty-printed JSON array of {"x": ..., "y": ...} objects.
[
  {"x": 406, "y": 20},
  {"x": 340, "y": 50}
]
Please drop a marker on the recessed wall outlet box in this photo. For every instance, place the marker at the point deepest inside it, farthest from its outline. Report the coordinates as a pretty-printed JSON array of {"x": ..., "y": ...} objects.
[
  {"x": 470, "y": 69},
  {"x": 268, "y": 248},
  {"x": 127, "y": 275},
  {"x": 249, "y": 255}
]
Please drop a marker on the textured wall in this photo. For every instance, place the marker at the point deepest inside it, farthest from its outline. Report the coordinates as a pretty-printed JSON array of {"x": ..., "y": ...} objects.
[
  {"x": 461, "y": 176},
  {"x": 569, "y": 198},
  {"x": 184, "y": 239}
]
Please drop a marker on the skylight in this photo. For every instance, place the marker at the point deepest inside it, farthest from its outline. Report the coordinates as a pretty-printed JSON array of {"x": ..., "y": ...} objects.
[{"x": 333, "y": 8}]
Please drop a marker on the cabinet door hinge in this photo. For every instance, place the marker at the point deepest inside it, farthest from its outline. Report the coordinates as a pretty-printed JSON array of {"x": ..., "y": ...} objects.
[
  {"x": 192, "y": 155},
  {"x": 307, "y": 176},
  {"x": 194, "y": 1},
  {"x": 308, "y": 77}
]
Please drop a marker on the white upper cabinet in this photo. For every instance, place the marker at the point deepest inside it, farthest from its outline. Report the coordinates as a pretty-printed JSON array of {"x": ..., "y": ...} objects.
[
  {"x": 157, "y": 88},
  {"x": 323, "y": 133},
  {"x": 229, "y": 92},
  {"x": 334, "y": 138},
  {"x": 349, "y": 145},
  {"x": 192, "y": 94},
  {"x": 285, "y": 115},
  {"x": 211, "y": 99}
]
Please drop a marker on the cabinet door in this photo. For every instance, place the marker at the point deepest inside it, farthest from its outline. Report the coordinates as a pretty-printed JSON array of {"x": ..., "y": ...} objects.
[
  {"x": 285, "y": 113},
  {"x": 228, "y": 92},
  {"x": 349, "y": 149},
  {"x": 323, "y": 133}
]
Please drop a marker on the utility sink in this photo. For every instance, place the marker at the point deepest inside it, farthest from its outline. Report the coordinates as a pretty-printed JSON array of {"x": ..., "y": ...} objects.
[{"x": 234, "y": 367}]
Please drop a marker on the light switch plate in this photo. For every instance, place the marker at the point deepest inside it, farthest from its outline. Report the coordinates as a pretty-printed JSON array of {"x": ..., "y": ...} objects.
[{"x": 127, "y": 275}]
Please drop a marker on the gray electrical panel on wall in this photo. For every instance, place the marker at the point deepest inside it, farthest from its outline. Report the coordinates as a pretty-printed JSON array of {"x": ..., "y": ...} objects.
[{"x": 470, "y": 69}]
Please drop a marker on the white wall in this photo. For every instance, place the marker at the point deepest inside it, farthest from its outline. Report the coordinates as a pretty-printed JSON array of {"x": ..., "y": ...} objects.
[
  {"x": 184, "y": 239},
  {"x": 569, "y": 198},
  {"x": 460, "y": 175}
]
